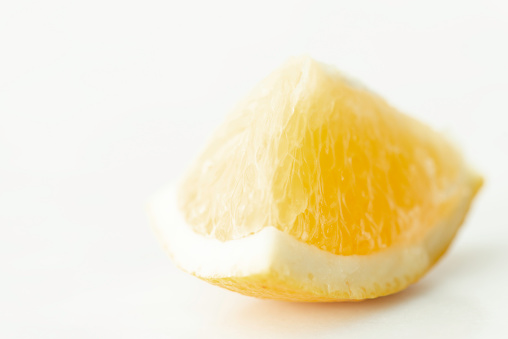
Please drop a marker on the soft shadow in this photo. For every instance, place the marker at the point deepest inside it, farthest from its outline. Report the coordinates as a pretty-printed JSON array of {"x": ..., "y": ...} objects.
[
  {"x": 299, "y": 319},
  {"x": 312, "y": 318},
  {"x": 465, "y": 261}
]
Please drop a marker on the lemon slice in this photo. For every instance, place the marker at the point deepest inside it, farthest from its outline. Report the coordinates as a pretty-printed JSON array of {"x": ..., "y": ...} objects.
[{"x": 315, "y": 189}]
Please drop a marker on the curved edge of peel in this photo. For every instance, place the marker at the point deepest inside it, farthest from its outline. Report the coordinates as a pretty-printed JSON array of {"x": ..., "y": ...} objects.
[{"x": 272, "y": 264}]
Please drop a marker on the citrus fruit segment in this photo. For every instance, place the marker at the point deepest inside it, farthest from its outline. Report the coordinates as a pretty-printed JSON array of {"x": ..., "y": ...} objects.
[
  {"x": 272, "y": 264},
  {"x": 315, "y": 188}
]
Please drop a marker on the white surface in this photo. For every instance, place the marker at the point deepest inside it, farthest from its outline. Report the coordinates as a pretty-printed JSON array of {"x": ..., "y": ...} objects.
[{"x": 103, "y": 102}]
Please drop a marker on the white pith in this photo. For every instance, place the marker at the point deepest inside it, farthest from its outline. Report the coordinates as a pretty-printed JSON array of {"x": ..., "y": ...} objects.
[{"x": 271, "y": 250}]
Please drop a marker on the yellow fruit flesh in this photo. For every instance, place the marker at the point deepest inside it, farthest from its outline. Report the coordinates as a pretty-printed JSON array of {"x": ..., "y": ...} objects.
[{"x": 316, "y": 156}]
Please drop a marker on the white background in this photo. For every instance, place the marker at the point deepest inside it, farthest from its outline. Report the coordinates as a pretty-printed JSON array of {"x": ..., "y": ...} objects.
[{"x": 103, "y": 102}]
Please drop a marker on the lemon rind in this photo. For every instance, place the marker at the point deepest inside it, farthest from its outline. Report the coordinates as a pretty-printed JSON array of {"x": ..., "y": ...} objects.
[{"x": 269, "y": 261}]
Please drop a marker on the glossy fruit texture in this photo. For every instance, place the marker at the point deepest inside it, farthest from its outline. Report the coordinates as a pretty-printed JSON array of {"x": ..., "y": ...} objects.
[{"x": 325, "y": 160}]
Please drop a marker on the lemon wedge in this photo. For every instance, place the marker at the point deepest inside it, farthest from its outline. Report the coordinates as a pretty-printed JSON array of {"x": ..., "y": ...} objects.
[{"x": 316, "y": 189}]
